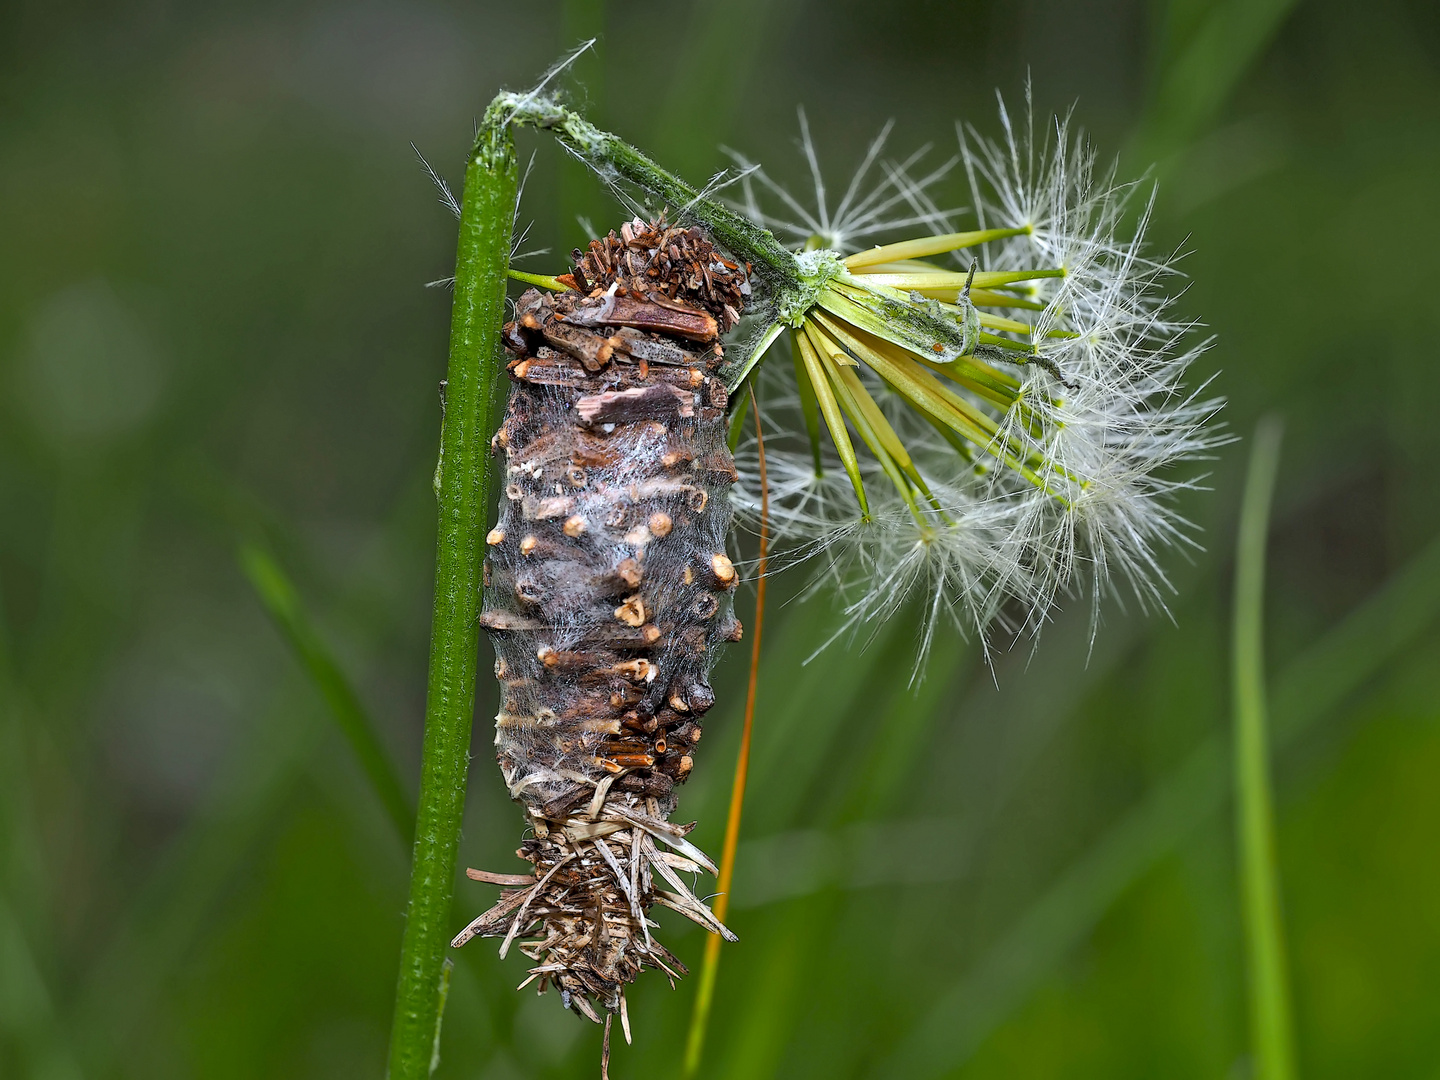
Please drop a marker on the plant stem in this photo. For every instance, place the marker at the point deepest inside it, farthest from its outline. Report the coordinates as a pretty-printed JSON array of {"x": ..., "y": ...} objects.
[
  {"x": 613, "y": 158},
  {"x": 1269, "y": 998},
  {"x": 463, "y": 490},
  {"x": 705, "y": 994}
]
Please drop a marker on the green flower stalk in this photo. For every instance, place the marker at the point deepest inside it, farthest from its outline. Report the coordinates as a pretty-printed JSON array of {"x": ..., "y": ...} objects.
[{"x": 463, "y": 492}]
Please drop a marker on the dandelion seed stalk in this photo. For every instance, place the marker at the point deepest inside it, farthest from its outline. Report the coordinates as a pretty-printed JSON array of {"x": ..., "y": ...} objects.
[{"x": 463, "y": 491}]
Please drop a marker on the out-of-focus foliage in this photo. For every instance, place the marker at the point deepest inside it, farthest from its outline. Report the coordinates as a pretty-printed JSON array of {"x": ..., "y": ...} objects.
[{"x": 214, "y": 238}]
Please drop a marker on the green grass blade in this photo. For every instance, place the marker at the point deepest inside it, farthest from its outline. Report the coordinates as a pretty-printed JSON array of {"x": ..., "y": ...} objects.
[
  {"x": 1268, "y": 988},
  {"x": 282, "y": 604},
  {"x": 735, "y": 376},
  {"x": 1201, "y": 72},
  {"x": 737, "y": 422},
  {"x": 28, "y": 1022},
  {"x": 174, "y": 911}
]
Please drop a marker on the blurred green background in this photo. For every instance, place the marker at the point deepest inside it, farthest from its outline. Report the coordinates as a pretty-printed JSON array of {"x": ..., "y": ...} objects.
[{"x": 214, "y": 330}]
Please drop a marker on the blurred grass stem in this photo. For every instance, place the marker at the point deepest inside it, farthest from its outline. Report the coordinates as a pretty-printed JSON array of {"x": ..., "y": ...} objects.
[
  {"x": 481, "y": 260},
  {"x": 1268, "y": 991},
  {"x": 1388, "y": 625},
  {"x": 705, "y": 994},
  {"x": 282, "y": 604}
]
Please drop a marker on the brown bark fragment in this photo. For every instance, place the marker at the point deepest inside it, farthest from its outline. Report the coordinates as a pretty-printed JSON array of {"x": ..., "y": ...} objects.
[{"x": 658, "y": 402}]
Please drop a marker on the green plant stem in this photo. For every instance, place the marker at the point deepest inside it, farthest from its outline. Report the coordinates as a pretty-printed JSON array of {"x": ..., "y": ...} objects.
[
  {"x": 1268, "y": 991},
  {"x": 282, "y": 604},
  {"x": 463, "y": 491},
  {"x": 613, "y": 158}
]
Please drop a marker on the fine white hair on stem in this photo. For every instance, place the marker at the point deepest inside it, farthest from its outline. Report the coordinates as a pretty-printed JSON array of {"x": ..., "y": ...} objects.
[
  {"x": 451, "y": 203},
  {"x": 447, "y": 197},
  {"x": 1074, "y": 494},
  {"x": 539, "y": 88},
  {"x": 448, "y": 200},
  {"x": 517, "y": 239}
]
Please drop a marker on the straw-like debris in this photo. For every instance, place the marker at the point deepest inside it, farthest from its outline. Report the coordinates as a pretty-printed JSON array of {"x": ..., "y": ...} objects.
[{"x": 582, "y": 915}]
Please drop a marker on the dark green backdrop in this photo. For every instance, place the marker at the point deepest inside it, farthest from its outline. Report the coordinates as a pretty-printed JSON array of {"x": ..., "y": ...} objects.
[{"x": 214, "y": 238}]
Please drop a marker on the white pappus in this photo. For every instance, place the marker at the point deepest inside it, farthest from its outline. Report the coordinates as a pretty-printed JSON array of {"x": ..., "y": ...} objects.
[{"x": 1027, "y": 459}]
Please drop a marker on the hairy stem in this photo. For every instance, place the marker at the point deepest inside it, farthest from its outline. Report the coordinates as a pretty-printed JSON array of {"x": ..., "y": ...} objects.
[
  {"x": 1272, "y": 1046},
  {"x": 614, "y": 159},
  {"x": 463, "y": 491}
]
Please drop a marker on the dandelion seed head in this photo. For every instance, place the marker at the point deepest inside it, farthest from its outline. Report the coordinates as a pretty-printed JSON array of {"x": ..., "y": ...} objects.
[
  {"x": 1052, "y": 475},
  {"x": 989, "y": 414}
]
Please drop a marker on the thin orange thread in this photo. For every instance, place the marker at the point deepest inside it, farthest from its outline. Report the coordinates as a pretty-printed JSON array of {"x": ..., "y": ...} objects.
[
  {"x": 706, "y": 992},
  {"x": 742, "y": 764}
]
